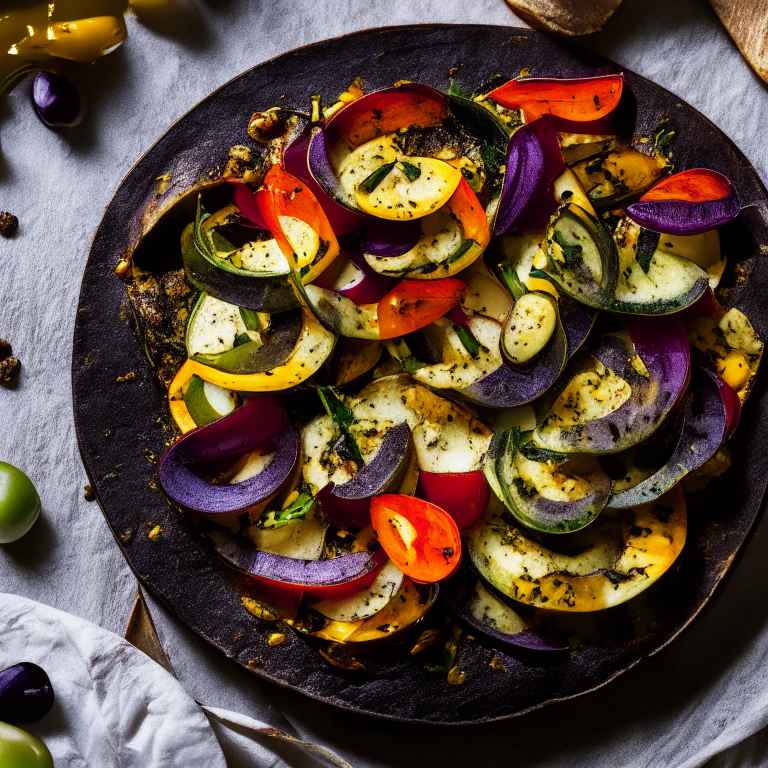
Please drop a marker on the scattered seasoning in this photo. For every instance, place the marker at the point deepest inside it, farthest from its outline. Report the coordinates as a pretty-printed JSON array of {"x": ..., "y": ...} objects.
[
  {"x": 127, "y": 377},
  {"x": 276, "y": 638},
  {"x": 8, "y": 224},
  {"x": 154, "y": 534},
  {"x": 89, "y": 494}
]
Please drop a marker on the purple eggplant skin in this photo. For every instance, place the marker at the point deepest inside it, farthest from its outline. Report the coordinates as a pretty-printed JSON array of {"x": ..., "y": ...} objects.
[
  {"x": 320, "y": 166},
  {"x": 578, "y": 322},
  {"x": 349, "y": 504},
  {"x": 533, "y": 160},
  {"x": 241, "y": 431},
  {"x": 390, "y": 238},
  {"x": 704, "y": 427},
  {"x": 57, "y": 101},
  {"x": 508, "y": 385},
  {"x": 682, "y": 217},
  {"x": 26, "y": 693},
  {"x": 662, "y": 345},
  {"x": 458, "y": 596},
  {"x": 289, "y": 570}
]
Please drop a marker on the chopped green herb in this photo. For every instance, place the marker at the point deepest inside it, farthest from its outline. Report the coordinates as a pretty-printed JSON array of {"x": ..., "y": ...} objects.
[
  {"x": 409, "y": 169},
  {"x": 467, "y": 338},
  {"x": 460, "y": 251},
  {"x": 512, "y": 281},
  {"x": 372, "y": 181},
  {"x": 241, "y": 339},
  {"x": 571, "y": 251},
  {"x": 343, "y": 416},
  {"x": 296, "y": 511}
]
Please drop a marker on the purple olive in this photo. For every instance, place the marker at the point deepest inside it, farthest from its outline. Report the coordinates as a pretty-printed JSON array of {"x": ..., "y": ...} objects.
[
  {"x": 57, "y": 101},
  {"x": 26, "y": 693}
]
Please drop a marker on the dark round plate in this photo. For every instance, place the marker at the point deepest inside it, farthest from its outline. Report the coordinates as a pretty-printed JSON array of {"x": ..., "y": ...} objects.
[{"x": 123, "y": 426}]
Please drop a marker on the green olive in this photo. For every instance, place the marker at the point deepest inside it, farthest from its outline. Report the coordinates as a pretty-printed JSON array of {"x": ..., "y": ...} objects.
[
  {"x": 19, "y": 504},
  {"x": 19, "y": 749}
]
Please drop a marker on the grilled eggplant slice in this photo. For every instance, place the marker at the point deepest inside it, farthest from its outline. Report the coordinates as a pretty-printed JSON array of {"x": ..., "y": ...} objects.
[
  {"x": 617, "y": 557},
  {"x": 704, "y": 427},
  {"x": 547, "y": 491},
  {"x": 619, "y": 390}
]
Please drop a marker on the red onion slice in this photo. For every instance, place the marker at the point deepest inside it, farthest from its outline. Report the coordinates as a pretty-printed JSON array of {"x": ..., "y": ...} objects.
[
  {"x": 290, "y": 570},
  {"x": 245, "y": 200},
  {"x": 241, "y": 431}
]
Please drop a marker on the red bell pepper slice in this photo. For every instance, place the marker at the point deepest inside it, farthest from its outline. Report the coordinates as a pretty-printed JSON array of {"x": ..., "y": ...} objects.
[
  {"x": 421, "y": 539},
  {"x": 465, "y": 206},
  {"x": 414, "y": 304},
  {"x": 580, "y": 100},
  {"x": 284, "y": 195},
  {"x": 388, "y": 110},
  {"x": 463, "y": 495},
  {"x": 696, "y": 185}
]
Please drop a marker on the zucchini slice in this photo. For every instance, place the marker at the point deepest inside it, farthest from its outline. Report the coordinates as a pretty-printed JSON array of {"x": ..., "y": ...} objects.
[
  {"x": 547, "y": 491},
  {"x": 617, "y": 557},
  {"x": 219, "y": 336},
  {"x": 342, "y": 315},
  {"x": 583, "y": 261},
  {"x": 529, "y": 327},
  {"x": 302, "y": 538},
  {"x": 259, "y": 291},
  {"x": 404, "y": 611},
  {"x": 313, "y": 348},
  {"x": 653, "y": 281},
  {"x": 447, "y": 437},
  {"x": 208, "y": 402},
  {"x": 366, "y": 603}
]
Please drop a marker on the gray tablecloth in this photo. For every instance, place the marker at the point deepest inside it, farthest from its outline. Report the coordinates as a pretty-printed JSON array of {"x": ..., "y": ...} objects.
[{"x": 689, "y": 705}]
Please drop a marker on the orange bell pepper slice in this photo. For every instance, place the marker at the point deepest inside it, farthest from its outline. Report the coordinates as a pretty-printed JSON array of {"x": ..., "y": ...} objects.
[
  {"x": 421, "y": 539},
  {"x": 465, "y": 206},
  {"x": 284, "y": 195},
  {"x": 696, "y": 185},
  {"x": 581, "y": 100},
  {"x": 381, "y": 112},
  {"x": 413, "y": 304}
]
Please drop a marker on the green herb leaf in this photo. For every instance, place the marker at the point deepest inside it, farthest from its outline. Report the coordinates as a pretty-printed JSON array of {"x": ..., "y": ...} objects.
[
  {"x": 514, "y": 284},
  {"x": 345, "y": 446},
  {"x": 295, "y": 511},
  {"x": 460, "y": 251},
  {"x": 335, "y": 407},
  {"x": 493, "y": 158},
  {"x": 571, "y": 251},
  {"x": 372, "y": 181},
  {"x": 251, "y": 319},
  {"x": 662, "y": 141},
  {"x": 409, "y": 169},
  {"x": 647, "y": 243},
  {"x": 467, "y": 338},
  {"x": 241, "y": 339},
  {"x": 457, "y": 89}
]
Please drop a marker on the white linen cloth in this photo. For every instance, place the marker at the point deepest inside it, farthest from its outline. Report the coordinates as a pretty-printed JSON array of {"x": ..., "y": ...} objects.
[{"x": 700, "y": 700}]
